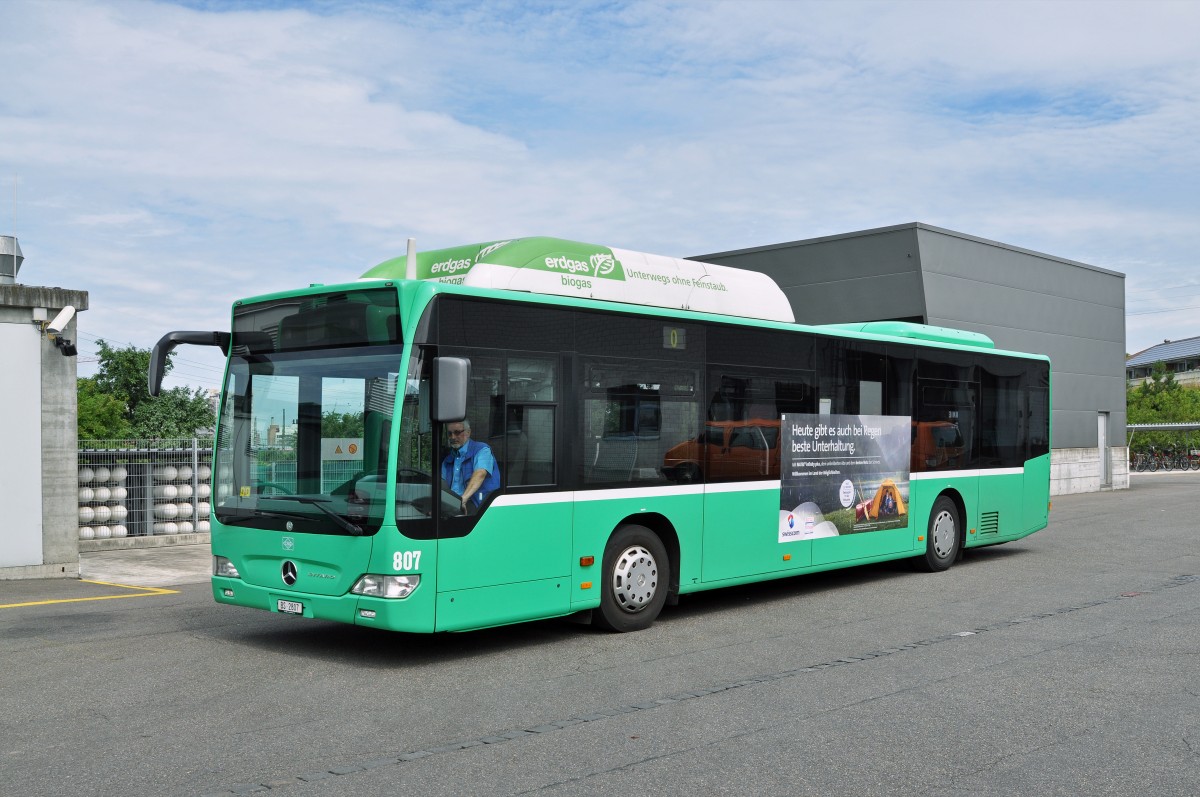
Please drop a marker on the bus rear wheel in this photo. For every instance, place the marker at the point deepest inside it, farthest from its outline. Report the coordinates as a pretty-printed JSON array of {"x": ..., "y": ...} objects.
[
  {"x": 942, "y": 540},
  {"x": 636, "y": 577}
]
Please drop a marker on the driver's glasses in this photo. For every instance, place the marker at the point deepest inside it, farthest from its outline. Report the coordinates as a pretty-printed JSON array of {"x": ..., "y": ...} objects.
[{"x": 455, "y": 432}]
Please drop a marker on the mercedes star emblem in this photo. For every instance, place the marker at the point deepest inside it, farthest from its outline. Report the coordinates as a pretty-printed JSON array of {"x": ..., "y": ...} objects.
[{"x": 289, "y": 572}]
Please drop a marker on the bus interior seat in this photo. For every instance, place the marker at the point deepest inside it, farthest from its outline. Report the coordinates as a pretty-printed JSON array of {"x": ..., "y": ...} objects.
[
  {"x": 513, "y": 454},
  {"x": 614, "y": 459}
]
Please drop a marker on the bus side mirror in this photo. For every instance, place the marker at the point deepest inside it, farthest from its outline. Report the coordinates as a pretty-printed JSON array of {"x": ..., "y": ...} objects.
[
  {"x": 162, "y": 349},
  {"x": 450, "y": 378}
]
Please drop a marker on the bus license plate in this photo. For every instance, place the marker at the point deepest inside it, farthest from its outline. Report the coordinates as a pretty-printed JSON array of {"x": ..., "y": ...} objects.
[{"x": 291, "y": 607}]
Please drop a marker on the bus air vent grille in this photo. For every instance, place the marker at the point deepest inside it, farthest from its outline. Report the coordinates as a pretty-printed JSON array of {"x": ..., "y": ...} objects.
[{"x": 989, "y": 523}]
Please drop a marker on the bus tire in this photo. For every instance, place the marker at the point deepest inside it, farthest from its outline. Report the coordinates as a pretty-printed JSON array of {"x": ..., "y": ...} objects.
[
  {"x": 942, "y": 539},
  {"x": 636, "y": 578}
]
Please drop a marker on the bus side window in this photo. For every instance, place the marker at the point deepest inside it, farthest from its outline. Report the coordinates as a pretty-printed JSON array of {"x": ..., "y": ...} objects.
[
  {"x": 853, "y": 377},
  {"x": 529, "y": 419},
  {"x": 634, "y": 413},
  {"x": 531, "y": 433},
  {"x": 742, "y": 431}
]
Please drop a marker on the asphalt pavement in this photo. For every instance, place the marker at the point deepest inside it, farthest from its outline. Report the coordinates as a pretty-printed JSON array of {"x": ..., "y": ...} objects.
[
  {"x": 169, "y": 565},
  {"x": 1062, "y": 664}
]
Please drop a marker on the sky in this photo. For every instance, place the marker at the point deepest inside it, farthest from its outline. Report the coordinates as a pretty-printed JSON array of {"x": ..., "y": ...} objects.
[{"x": 171, "y": 157}]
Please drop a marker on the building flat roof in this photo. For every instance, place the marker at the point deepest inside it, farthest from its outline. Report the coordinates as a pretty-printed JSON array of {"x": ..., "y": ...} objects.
[{"x": 914, "y": 225}]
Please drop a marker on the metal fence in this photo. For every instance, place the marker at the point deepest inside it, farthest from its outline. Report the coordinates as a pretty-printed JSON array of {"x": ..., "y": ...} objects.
[
  {"x": 283, "y": 474},
  {"x": 142, "y": 487},
  {"x": 139, "y": 488}
]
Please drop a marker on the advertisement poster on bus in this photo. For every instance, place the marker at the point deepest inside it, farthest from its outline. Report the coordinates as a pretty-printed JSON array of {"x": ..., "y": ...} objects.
[{"x": 842, "y": 474}]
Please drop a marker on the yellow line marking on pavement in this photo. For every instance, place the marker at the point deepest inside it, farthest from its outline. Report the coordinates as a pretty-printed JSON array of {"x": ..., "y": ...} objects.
[{"x": 142, "y": 593}]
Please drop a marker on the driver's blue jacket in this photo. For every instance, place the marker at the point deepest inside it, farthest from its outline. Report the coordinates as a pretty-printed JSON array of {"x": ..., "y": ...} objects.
[{"x": 458, "y": 466}]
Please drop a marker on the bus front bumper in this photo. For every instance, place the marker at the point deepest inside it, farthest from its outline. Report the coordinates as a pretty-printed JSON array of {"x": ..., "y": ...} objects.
[{"x": 414, "y": 614}]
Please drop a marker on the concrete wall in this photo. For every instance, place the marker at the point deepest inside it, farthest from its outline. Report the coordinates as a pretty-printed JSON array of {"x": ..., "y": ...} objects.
[
  {"x": 47, "y": 380},
  {"x": 1077, "y": 470}
]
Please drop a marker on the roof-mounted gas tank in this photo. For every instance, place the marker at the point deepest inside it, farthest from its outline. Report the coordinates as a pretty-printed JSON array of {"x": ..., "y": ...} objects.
[{"x": 569, "y": 268}]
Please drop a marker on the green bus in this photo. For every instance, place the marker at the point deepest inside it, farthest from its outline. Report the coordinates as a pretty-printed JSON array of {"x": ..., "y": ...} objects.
[{"x": 651, "y": 427}]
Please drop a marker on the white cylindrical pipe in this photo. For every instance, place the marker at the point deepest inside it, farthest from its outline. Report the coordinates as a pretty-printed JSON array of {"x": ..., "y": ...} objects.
[{"x": 410, "y": 260}]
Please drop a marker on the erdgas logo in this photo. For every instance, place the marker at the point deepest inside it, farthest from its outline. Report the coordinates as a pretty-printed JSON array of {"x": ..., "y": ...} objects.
[
  {"x": 487, "y": 250},
  {"x": 598, "y": 265},
  {"x": 449, "y": 266},
  {"x": 603, "y": 265},
  {"x": 567, "y": 264}
]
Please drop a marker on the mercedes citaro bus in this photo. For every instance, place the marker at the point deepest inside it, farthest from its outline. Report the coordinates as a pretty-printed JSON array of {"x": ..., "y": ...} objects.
[{"x": 659, "y": 426}]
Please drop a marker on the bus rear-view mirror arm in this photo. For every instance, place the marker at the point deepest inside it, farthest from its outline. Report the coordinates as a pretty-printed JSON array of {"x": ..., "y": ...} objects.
[{"x": 167, "y": 343}]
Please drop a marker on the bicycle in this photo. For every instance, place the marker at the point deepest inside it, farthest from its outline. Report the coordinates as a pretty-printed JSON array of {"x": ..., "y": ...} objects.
[
  {"x": 1154, "y": 460},
  {"x": 1168, "y": 458}
]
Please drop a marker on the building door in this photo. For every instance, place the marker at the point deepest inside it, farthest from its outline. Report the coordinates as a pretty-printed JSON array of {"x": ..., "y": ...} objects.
[{"x": 1105, "y": 451}]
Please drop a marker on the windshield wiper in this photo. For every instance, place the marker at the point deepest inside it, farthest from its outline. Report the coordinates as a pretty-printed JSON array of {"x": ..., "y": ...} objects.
[
  {"x": 255, "y": 514},
  {"x": 319, "y": 503}
]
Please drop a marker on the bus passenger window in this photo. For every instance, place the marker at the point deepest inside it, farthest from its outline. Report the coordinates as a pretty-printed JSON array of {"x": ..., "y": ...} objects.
[
  {"x": 741, "y": 436},
  {"x": 634, "y": 413}
]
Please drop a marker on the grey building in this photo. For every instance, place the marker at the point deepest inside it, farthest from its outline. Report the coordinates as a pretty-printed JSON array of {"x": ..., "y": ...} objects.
[
  {"x": 1022, "y": 300},
  {"x": 38, "y": 475}
]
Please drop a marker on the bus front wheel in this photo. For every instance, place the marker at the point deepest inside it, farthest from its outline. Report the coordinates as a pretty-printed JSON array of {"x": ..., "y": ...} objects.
[
  {"x": 942, "y": 538},
  {"x": 636, "y": 577}
]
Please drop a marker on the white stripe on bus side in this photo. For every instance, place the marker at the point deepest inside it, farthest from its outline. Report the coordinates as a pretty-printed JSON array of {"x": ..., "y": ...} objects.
[
  {"x": 959, "y": 474},
  {"x": 525, "y": 499}
]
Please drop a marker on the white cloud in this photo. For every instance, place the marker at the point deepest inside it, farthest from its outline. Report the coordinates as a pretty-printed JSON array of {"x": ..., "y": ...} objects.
[{"x": 172, "y": 159}]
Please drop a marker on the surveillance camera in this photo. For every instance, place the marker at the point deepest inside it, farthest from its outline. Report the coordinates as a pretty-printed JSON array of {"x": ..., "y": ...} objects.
[{"x": 61, "y": 320}]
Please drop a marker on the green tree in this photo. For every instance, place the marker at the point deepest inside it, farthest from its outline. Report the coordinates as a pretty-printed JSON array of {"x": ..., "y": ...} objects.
[
  {"x": 101, "y": 415},
  {"x": 174, "y": 413},
  {"x": 116, "y": 402},
  {"x": 1161, "y": 400},
  {"x": 123, "y": 372},
  {"x": 342, "y": 424}
]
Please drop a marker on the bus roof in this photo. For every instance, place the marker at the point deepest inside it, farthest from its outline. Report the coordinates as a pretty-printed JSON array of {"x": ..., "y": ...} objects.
[
  {"x": 922, "y": 332},
  {"x": 569, "y": 268}
]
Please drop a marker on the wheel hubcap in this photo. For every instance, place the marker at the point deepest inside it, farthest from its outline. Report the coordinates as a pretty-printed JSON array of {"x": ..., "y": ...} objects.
[
  {"x": 944, "y": 534},
  {"x": 635, "y": 579}
]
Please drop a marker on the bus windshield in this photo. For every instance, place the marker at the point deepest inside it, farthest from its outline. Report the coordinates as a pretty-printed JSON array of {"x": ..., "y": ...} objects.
[{"x": 308, "y": 410}]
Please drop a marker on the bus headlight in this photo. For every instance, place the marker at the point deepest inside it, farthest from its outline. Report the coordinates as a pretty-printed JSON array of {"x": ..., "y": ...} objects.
[
  {"x": 386, "y": 586},
  {"x": 224, "y": 567}
]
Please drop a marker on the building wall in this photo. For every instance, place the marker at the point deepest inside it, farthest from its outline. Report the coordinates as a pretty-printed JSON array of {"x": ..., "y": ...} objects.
[
  {"x": 39, "y": 536},
  {"x": 60, "y": 446},
  {"x": 1077, "y": 470},
  {"x": 1027, "y": 301},
  {"x": 1184, "y": 378},
  {"x": 869, "y": 276},
  {"x": 1022, "y": 300},
  {"x": 20, "y": 485}
]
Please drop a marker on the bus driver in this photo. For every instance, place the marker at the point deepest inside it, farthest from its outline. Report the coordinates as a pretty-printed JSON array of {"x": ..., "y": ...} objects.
[{"x": 470, "y": 469}]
